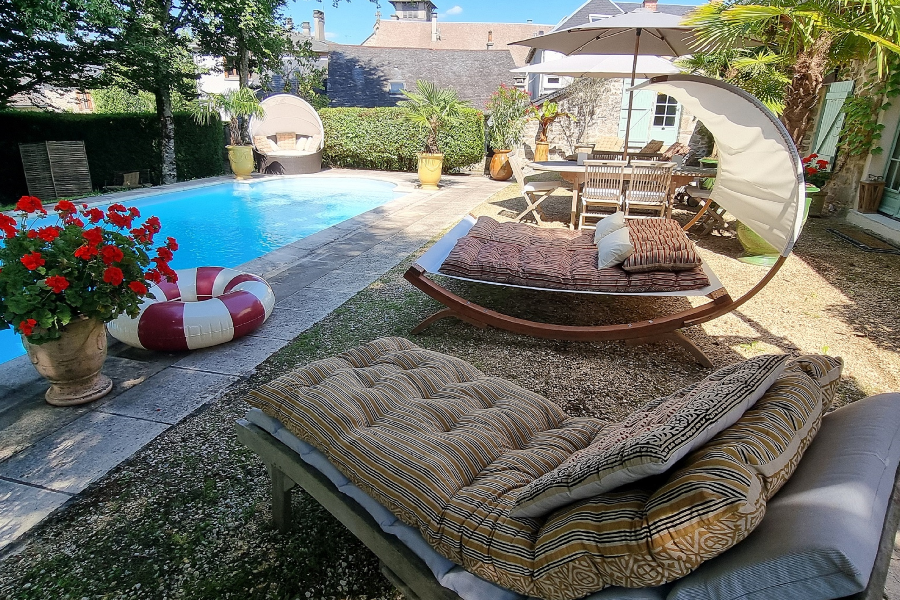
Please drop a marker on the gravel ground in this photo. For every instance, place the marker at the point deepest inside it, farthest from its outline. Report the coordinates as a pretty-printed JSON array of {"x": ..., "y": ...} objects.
[{"x": 188, "y": 516}]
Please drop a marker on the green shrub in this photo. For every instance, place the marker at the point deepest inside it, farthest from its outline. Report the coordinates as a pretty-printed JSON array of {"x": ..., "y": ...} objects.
[
  {"x": 381, "y": 138},
  {"x": 113, "y": 142}
]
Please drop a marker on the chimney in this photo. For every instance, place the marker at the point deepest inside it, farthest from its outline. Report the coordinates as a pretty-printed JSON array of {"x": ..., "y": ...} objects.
[
  {"x": 434, "y": 30},
  {"x": 304, "y": 27},
  {"x": 289, "y": 24},
  {"x": 319, "y": 18},
  {"x": 490, "y": 43},
  {"x": 649, "y": 5}
]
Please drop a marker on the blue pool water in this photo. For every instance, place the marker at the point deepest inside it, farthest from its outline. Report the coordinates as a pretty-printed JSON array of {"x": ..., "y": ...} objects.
[{"x": 231, "y": 223}]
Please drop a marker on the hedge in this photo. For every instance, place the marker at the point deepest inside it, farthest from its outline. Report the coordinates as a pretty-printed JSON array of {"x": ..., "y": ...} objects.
[
  {"x": 113, "y": 142},
  {"x": 380, "y": 138}
]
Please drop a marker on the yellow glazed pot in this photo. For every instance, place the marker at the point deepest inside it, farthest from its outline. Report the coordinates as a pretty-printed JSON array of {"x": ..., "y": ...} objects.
[
  {"x": 430, "y": 170},
  {"x": 241, "y": 159},
  {"x": 72, "y": 363},
  {"x": 500, "y": 167}
]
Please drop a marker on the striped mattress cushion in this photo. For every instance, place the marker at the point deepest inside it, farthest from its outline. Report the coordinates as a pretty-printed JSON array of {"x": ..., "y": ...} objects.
[
  {"x": 519, "y": 254},
  {"x": 448, "y": 450},
  {"x": 660, "y": 245},
  {"x": 654, "y": 438}
]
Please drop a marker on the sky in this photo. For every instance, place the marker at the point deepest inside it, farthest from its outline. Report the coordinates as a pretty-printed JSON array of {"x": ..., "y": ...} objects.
[{"x": 351, "y": 21}]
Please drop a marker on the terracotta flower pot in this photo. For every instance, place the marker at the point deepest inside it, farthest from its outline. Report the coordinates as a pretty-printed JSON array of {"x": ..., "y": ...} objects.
[
  {"x": 500, "y": 167},
  {"x": 241, "y": 159},
  {"x": 72, "y": 363},
  {"x": 430, "y": 166},
  {"x": 541, "y": 151}
]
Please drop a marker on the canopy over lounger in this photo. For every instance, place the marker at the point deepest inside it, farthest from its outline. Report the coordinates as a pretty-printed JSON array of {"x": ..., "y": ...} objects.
[
  {"x": 291, "y": 134},
  {"x": 759, "y": 181}
]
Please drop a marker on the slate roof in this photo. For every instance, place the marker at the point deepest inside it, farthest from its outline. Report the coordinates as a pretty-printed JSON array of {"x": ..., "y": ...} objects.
[
  {"x": 607, "y": 7},
  {"x": 392, "y": 33},
  {"x": 361, "y": 75}
]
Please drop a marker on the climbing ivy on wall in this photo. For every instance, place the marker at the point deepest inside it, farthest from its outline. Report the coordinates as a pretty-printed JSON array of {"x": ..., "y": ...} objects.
[{"x": 862, "y": 131}]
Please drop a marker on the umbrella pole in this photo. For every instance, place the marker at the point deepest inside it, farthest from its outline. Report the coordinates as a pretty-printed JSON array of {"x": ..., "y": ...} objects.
[{"x": 637, "y": 47}]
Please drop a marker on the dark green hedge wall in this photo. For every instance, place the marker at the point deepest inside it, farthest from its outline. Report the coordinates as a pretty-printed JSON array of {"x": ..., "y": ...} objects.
[
  {"x": 113, "y": 142},
  {"x": 380, "y": 138}
]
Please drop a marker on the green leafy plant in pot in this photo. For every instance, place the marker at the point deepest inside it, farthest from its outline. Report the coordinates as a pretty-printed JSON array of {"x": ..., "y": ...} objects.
[
  {"x": 236, "y": 105},
  {"x": 62, "y": 278},
  {"x": 546, "y": 115},
  {"x": 434, "y": 109},
  {"x": 510, "y": 109}
]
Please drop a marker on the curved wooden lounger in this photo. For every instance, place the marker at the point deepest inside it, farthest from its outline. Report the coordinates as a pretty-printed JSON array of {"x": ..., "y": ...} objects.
[{"x": 639, "y": 332}]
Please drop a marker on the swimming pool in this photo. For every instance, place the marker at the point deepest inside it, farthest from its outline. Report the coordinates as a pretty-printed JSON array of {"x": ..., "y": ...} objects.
[{"x": 230, "y": 223}]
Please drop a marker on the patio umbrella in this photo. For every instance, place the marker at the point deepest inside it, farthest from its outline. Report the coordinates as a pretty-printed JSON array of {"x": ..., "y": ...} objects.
[
  {"x": 602, "y": 67},
  {"x": 641, "y": 32}
]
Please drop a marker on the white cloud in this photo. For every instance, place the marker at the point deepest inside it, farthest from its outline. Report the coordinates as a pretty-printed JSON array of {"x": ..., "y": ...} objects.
[
  {"x": 330, "y": 35},
  {"x": 454, "y": 10}
]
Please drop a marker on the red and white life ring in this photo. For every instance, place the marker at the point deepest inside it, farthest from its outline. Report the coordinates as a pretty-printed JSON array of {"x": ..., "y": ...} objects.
[{"x": 208, "y": 306}]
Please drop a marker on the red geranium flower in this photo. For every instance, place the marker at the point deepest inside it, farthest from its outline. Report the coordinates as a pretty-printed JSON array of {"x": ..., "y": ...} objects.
[
  {"x": 27, "y": 326},
  {"x": 153, "y": 276},
  {"x": 164, "y": 253},
  {"x": 142, "y": 235},
  {"x": 822, "y": 164},
  {"x": 134, "y": 212},
  {"x": 31, "y": 234},
  {"x": 93, "y": 236},
  {"x": 57, "y": 283},
  {"x": 8, "y": 225},
  {"x": 122, "y": 221},
  {"x": 32, "y": 261},
  {"x": 30, "y": 204},
  {"x": 95, "y": 215},
  {"x": 171, "y": 244},
  {"x": 113, "y": 275},
  {"x": 86, "y": 252},
  {"x": 48, "y": 234},
  {"x": 111, "y": 254},
  {"x": 117, "y": 208},
  {"x": 138, "y": 288},
  {"x": 65, "y": 207},
  {"x": 152, "y": 225}
]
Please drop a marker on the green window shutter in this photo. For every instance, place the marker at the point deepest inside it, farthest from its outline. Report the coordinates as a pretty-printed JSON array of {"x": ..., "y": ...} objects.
[
  {"x": 641, "y": 114},
  {"x": 831, "y": 120}
]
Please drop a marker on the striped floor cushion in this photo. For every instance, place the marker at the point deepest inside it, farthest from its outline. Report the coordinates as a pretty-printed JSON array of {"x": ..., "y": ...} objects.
[
  {"x": 448, "y": 449},
  {"x": 660, "y": 245},
  {"x": 519, "y": 254}
]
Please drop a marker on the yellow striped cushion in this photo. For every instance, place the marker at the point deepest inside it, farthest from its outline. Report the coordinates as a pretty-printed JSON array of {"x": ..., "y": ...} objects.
[{"x": 448, "y": 449}]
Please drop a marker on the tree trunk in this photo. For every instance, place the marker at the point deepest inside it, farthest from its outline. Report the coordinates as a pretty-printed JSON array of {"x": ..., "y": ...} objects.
[
  {"x": 802, "y": 94},
  {"x": 167, "y": 135},
  {"x": 243, "y": 81}
]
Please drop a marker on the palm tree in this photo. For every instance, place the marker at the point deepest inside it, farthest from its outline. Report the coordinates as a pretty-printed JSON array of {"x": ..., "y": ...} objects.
[
  {"x": 812, "y": 36},
  {"x": 237, "y": 104},
  {"x": 432, "y": 107}
]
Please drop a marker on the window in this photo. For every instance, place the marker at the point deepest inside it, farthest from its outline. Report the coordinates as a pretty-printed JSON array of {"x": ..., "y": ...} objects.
[
  {"x": 666, "y": 111},
  {"x": 553, "y": 80},
  {"x": 231, "y": 70},
  {"x": 396, "y": 88},
  {"x": 85, "y": 102}
]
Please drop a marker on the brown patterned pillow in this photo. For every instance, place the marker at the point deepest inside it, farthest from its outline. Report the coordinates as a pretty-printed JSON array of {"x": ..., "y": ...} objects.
[
  {"x": 660, "y": 245},
  {"x": 264, "y": 144},
  {"x": 653, "y": 439},
  {"x": 825, "y": 370},
  {"x": 286, "y": 141}
]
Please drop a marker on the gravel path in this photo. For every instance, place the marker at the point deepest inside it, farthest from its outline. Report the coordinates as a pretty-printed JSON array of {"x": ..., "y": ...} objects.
[{"x": 188, "y": 517}]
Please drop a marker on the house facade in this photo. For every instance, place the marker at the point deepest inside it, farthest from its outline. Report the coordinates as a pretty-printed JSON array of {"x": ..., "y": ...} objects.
[{"x": 653, "y": 116}]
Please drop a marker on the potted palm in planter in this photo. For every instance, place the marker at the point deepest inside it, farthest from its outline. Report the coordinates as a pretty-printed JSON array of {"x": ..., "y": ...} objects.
[
  {"x": 62, "y": 278},
  {"x": 433, "y": 108},
  {"x": 236, "y": 105},
  {"x": 546, "y": 115},
  {"x": 509, "y": 108}
]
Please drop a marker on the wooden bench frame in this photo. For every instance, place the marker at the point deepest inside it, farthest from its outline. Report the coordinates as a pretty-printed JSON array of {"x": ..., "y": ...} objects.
[{"x": 403, "y": 568}]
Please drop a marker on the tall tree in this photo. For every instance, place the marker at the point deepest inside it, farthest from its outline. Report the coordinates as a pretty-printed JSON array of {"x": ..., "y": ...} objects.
[
  {"x": 811, "y": 36},
  {"x": 151, "y": 51},
  {"x": 47, "y": 42}
]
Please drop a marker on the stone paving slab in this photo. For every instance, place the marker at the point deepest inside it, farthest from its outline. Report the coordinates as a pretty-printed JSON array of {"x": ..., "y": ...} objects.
[
  {"x": 81, "y": 452},
  {"x": 238, "y": 357},
  {"x": 169, "y": 396},
  {"x": 24, "y": 507}
]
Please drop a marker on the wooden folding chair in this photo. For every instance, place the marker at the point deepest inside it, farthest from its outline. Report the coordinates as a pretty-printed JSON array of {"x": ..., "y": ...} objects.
[
  {"x": 534, "y": 192},
  {"x": 648, "y": 188},
  {"x": 602, "y": 189}
]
